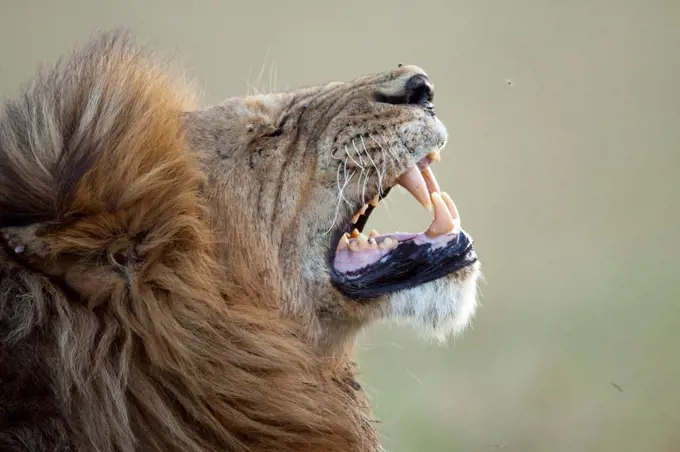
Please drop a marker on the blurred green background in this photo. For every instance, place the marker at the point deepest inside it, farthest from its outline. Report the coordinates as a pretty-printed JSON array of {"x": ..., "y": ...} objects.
[{"x": 564, "y": 158}]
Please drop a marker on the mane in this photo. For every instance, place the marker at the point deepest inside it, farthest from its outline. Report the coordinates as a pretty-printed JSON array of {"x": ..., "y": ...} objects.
[{"x": 126, "y": 334}]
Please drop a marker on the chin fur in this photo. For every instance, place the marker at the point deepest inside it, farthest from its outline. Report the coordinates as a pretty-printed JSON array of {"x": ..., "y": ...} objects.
[{"x": 439, "y": 309}]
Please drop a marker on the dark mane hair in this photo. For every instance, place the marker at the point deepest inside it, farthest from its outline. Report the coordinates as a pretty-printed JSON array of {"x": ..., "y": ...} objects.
[{"x": 119, "y": 331}]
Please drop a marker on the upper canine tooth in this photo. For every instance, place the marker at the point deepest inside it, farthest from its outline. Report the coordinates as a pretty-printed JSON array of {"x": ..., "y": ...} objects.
[
  {"x": 374, "y": 202},
  {"x": 413, "y": 181},
  {"x": 430, "y": 180},
  {"x": 443, "y": 221},
  {"x": 434, "y": 156}
]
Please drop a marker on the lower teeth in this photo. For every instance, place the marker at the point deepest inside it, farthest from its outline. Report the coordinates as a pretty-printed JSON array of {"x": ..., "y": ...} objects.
[{"x": 359, "y": 242}]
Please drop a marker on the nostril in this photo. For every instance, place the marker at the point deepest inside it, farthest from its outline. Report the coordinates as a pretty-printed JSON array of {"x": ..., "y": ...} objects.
[{"x": 418, "y": 90}]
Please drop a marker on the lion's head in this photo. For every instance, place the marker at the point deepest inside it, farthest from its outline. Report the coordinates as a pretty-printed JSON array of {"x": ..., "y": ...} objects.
[
  {"x": 183, "y": 279},
  {"x": 292, "y": 180}
]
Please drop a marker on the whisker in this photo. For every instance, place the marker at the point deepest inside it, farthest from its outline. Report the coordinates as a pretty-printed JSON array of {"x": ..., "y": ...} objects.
[
  {"x": 337, "y": 179},
  {"x": 341, "y": 197},
  {"x": 258, "y": 81},
  {"x": 384, "y": 156},
  {"x": 363, "y": 190},
  {"x": 390, "y": 149},
  {"x": 335, "y": 217},
  {"x": 340, "y": 157},
  {"x": 342, "y": 189},
  {"x": 276, "y": 78},
  {"x": 382, "y": 148},
  {"x": 374, "y": 165},
  {"x": 350, "y": 156},
  {"x": 358, "y": 153},
  {"x": 345, "y": 176}
]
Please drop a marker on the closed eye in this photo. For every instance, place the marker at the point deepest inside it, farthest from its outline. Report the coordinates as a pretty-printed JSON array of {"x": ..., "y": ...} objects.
[{"x": 275, "y": 133}]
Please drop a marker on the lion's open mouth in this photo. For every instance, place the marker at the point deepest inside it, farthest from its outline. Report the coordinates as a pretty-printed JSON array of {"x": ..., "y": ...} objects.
[{"x": 366, "y": 266}]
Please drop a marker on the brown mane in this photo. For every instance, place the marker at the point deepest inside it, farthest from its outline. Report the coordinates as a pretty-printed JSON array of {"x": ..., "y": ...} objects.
[{"x": 119, "y": 331}]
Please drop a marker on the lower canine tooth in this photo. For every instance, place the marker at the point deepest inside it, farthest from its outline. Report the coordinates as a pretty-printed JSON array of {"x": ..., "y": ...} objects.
[
  {"x": 344, "y": 242},
  {"x": 373, "y": 234},
  {"x": 355, "y": 234},
  {"x": 443, "y": 220},
  {"x": 452, "y": 209}
]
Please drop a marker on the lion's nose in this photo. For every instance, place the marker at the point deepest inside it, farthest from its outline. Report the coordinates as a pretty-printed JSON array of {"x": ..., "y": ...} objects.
[
  {"x": 410, "y": 86},
  {"x": 418, "y": 90}
]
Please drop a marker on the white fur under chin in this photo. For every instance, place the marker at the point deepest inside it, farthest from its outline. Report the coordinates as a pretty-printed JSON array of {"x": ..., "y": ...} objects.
[{"x": 438, "y": 309}]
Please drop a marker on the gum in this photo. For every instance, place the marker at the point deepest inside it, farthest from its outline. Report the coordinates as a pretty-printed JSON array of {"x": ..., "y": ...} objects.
[{"x": 351, "y": 261}]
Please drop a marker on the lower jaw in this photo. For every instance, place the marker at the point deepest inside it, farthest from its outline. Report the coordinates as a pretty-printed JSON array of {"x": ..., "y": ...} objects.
[{"x": 416, "y": 260}]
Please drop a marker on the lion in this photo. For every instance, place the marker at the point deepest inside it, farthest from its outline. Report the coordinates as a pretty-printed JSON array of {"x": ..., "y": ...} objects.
[{"x": 176, "y": 278}]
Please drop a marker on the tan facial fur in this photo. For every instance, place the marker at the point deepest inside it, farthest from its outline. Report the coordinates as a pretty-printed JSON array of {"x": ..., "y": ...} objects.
[
  {"x": 166, "y": 272},
  {"x": 301, "y": 161}
]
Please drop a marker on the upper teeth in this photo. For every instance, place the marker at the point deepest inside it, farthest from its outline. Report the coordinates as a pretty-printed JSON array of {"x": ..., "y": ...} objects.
[
  {"x": 361, "y": 211},
  {"x": 424, "y": 187},
  {"x": 434, "y": 156}
]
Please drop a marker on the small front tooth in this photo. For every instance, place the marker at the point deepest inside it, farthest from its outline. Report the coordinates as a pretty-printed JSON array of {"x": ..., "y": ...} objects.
[
  {"x": 413, "y": 181},
  {"x": 355, "y": 233},
  {"x": 363, "y": 242},
  {"x": 354, "y": 246},
  {"x": 434, "y": 156},
  {"x": 388, "y": 243},
  {"x": 430, "y": 180},
  {"x": 344, "y": 242},
  {"x": 361, "y": 211},
  {"x": 452, "y": 209},
  {"x": 374, "y": 202},
  {"x": 443, "y": 221},
  {"x": 373, "y": 234}
]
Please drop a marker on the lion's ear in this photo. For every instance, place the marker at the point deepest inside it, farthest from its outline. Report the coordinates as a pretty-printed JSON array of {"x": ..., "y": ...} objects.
[
  {"x": 31, "y": 247},
  {"x": 24, "y": 243}
]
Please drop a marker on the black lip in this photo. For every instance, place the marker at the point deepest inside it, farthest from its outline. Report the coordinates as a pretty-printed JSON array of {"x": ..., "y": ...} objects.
[{"x": 406, "y": 266}]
